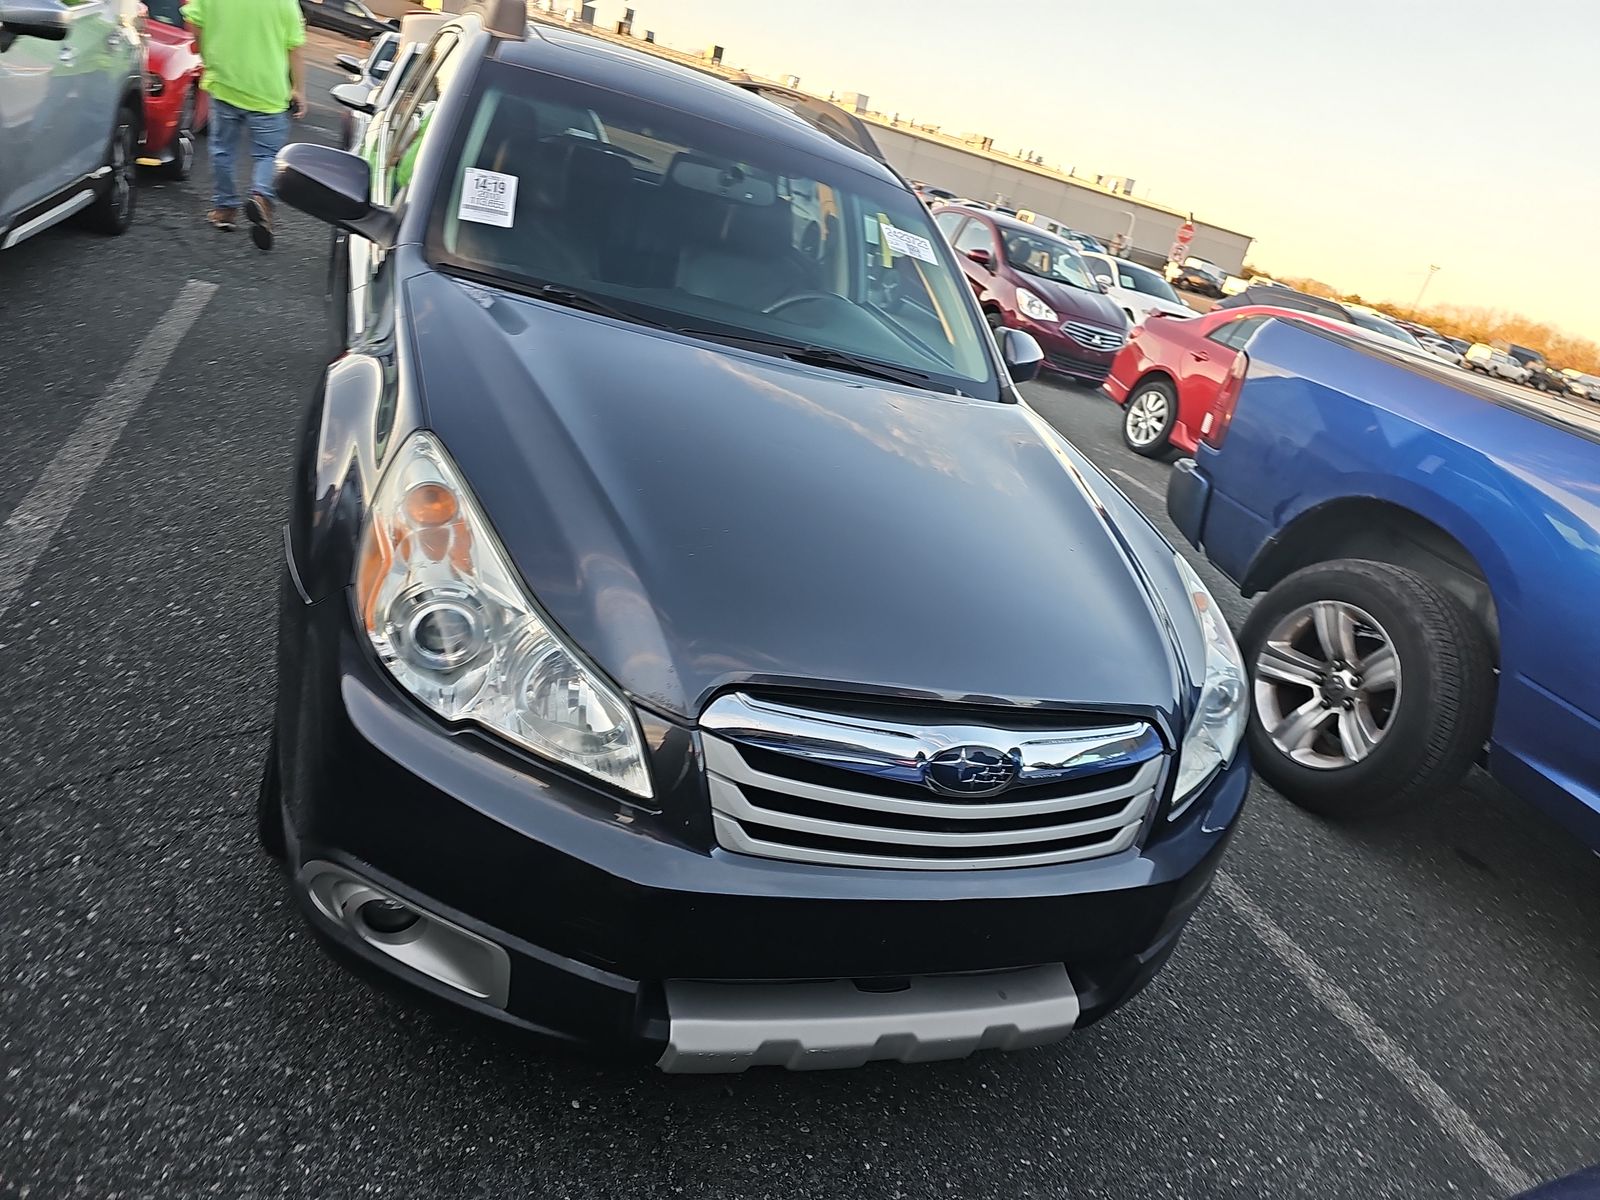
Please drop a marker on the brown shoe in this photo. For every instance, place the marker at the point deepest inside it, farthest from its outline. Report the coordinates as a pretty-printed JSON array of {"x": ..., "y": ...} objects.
[
  {"x": 222, "y": 219},
  {"x": 258, "y": 210}
]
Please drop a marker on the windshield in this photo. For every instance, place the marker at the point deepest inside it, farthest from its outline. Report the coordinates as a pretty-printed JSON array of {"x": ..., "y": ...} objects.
[
  {"x": 1046, "y": 256},
  {"x": 1140, "y": 279},
  {"x": 1387, "y": 328},
  {"x": 165, "y": 11},
  {"x": 702, "y": 227}
]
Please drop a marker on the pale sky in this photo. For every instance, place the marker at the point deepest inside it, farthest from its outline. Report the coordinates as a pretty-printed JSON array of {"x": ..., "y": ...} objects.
[{"x": 1359, "y": 141}]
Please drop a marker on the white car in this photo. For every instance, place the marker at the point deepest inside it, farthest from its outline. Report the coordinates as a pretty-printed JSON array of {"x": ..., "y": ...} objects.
[
  {"x": 1585, "y": 387},
  {"x": 1138, "y": 291},
  {"x": 1483, "y": 357},
  {"x": 1443, "y": 350}
]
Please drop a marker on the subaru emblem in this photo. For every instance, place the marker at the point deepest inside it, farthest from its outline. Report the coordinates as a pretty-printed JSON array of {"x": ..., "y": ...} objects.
[{"x": 971, "y": 771}]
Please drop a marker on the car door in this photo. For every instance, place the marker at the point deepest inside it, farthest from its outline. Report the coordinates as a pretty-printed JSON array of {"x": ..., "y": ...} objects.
[{"x": 27, "y": 118}]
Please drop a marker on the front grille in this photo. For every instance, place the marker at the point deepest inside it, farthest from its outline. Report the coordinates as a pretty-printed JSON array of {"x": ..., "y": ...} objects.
[
  {"x": 1094, "y": 337},
  {"x": 862, "y": 789}
]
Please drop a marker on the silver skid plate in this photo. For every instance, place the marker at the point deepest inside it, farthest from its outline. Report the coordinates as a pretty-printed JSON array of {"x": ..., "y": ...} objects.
[{"x": 729, "y": 1027}]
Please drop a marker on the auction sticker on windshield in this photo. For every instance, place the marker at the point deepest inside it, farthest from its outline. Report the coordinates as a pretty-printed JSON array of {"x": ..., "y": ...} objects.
[
  {"x": 488, "y": 197},
  {"x": 909, "y": 244}
]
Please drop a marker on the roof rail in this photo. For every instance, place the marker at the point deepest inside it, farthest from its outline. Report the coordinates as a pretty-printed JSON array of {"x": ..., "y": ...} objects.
[
  {"x": 822, "y": 115},
  {"x": 504, "y": 18}
]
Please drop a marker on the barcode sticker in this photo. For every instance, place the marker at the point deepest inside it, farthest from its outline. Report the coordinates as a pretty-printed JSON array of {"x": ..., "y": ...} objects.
[
  {"x": 488, "y": 197},
  {"x": 910, "y": 244}
]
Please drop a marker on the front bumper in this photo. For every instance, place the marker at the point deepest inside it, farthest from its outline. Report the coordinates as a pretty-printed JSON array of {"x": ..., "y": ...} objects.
[
  {"x": 1067, "y": 356},
  {"x": 610, "y": 917}
]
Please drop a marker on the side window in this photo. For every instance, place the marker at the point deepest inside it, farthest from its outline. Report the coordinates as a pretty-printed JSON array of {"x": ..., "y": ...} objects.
[
  {"x": 1236, "y": 333},
  {"x": 949, "y": 222},
  {"x": 976, "y": 236},
  {"x": 413, "y": 109}
]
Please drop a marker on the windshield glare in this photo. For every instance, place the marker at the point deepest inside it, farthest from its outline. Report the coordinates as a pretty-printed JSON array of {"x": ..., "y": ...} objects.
[
  {"x": 702, "y": 227},
  {"x": 1138, "y": 279},
  {"x": 1387, "y": 328},
  {"x": 1048, "y": 257}
]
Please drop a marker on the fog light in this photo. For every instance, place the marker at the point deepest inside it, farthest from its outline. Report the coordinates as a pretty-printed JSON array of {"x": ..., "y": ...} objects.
[{"x": 387, "y": 916}]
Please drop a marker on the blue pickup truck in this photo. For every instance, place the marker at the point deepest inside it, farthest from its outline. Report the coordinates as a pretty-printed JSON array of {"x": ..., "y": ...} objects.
[{"x": 1429, "y": 549}]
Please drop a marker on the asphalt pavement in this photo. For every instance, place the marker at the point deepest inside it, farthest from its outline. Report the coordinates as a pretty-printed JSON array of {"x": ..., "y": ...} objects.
[{"x": 1404, "y": 1010}]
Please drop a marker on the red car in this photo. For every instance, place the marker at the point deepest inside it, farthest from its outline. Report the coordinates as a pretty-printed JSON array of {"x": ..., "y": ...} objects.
[
  {"x": 175, "y": 109},
  {"x": 1172, "y": 374},
  {"x": 1028, "y": 278}
]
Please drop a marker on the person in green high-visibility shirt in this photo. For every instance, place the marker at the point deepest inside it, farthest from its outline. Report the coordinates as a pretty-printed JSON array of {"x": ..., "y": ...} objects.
[{"x": 256, "y": 79}]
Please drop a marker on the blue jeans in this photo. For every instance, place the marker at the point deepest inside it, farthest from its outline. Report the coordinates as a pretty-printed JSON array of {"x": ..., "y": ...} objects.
[{"x": 268, "y": 133}]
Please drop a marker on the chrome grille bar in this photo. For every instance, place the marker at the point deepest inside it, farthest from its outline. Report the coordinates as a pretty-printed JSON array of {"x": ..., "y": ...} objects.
[
  {"x": 847, "y": 789},
  {"x": 1093, "y": 336}
]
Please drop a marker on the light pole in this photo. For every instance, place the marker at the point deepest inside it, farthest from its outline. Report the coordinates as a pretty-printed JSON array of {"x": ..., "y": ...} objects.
[{"x": 1426, "y": 280}]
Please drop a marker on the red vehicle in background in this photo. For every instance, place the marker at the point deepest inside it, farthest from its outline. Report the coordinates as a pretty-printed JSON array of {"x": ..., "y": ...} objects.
[
  {"x": 175, "y": 109},
  {"x": 1175, "y": 376}
]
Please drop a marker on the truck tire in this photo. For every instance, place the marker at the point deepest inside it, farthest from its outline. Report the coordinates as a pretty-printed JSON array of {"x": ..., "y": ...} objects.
[
  {"x": 1148, "y": 418},
  {"x": 1372, "y": 688}
]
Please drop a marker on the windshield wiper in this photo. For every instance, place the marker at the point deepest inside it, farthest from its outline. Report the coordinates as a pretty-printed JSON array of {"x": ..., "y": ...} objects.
[
  {"x": 555, "y": 293},
  {"x": 822, "y": 356}
]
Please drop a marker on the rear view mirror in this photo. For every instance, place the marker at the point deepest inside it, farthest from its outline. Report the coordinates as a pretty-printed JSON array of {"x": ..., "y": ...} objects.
[
  {"x": 348, "y": 62},
  {"x": 380, "y": 70},
  {"x": 722, "y": 179},
  {"x": 333, "y": 186},
  {"x": 1021, "y": 353},
  {"x": 46, "y": 19}
]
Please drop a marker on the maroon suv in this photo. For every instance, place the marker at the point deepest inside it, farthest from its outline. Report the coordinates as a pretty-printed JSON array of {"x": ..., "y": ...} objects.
[{"x": 1032, "y": 280}]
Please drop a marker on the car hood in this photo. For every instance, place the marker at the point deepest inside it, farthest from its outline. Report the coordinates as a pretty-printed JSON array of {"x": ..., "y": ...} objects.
[
  {"x": 1075, "y": 303},
  {"x": 696, "y": 517},
  {"x": 1156, "y": 304}
]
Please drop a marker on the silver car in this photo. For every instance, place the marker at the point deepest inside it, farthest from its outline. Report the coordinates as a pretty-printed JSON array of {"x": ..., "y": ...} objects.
[{"x": 71, "y": 103}]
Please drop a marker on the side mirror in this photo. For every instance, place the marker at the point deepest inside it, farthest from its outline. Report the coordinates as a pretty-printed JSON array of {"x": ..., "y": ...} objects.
[
  {"x": 46, "y": 19},
  {"x": 1104, "y": 281},
  {"x": 1021, "y": 353},
  {"x": 357, "y": 96},
  {"x": 333, "y": 186},
  {"x": 982, "y": 257},
  {"x": 348, "y": 62}
]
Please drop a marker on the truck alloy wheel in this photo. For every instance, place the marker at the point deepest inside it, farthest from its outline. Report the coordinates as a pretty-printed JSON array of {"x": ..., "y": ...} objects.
[{"x": 1372, "y": 687}]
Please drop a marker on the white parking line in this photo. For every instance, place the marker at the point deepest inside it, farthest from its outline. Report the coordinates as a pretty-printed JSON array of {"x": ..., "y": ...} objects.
[
  {"x": 1140, "y": 484},
  {"x": 1449, "y": 1116},
  {"x": 29, "y": 530}
]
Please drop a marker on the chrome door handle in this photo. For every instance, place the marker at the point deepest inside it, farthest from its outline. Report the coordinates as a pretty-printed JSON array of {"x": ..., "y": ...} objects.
[{"x": 68, "y": 56}]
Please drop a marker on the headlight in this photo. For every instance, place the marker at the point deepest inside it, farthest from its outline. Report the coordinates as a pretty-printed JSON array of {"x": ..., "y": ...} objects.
[
  {"x": 453, "y": 623},
  {"x": 1218, "y": 723},
  {"x": 1034, "y": 307}
]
